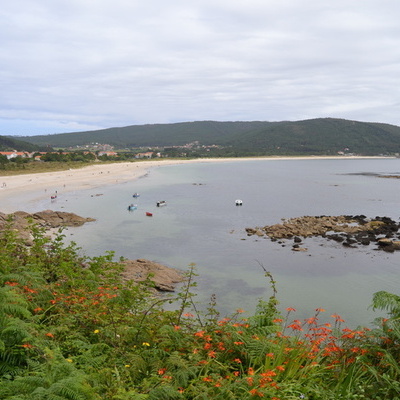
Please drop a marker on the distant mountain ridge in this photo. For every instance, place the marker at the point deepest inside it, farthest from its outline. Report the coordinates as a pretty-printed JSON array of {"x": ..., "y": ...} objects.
[{"x": 313, "y": 136}]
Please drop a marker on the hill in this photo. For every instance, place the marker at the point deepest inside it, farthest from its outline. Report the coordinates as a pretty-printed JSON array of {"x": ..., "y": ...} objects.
[
  {"x": 7, "y": 143},
  {"x": 314, "y": 136}
]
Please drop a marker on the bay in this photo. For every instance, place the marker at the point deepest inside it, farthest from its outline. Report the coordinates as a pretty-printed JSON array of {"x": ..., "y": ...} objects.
[{"x": 202, "y": 225}]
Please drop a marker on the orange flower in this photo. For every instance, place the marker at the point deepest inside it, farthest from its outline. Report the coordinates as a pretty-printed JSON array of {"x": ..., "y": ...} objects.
[
  {"x": 27, "y": 346},
  {"x": 49, "y": 335},
  {"x": 212, "y": 354},
  {"x": 200, "y": 333},
  {"x": 207, "y": 379},
  {"x": 270, "y": 355},
  {"x": 161, "y": 371},
  {"x": 290, "y": 309},
  {"x": 238, "y": 360},
  {"x": 255, "y": 392},
  {"x": 177, "y": 327},
  {"x": 188, "y": 315}
]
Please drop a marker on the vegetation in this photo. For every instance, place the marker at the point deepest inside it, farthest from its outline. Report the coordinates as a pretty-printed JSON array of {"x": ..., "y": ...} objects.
[
  {"x": 71, "y": 328},
  {"x": 322, "y": 136},
  {"x": 8, "y": 143}
]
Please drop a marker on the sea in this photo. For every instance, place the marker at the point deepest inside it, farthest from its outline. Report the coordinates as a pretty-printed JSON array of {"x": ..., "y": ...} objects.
[{"x": 202, "y": 226}]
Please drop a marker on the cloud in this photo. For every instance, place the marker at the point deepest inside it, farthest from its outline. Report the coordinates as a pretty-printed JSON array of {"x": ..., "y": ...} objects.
[{"x": 73, "y": 65}]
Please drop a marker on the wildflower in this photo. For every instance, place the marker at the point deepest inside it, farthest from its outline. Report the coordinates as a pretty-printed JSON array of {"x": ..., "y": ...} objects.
[
  {"x": 240, "y": 310},
  {"x": 207, "y": 379},
  {"x": 200, "y": 333},
  {"x": 161, "y": 371},
  {"x": 337, "y": 318},
  {"x": 250, "y": 371},
  {"x": 177, "y": 327},
  {"x": 277, "y": 320},
  {"x": 290, "y": 309},
  {"x": 50, "y": 335},
  {"x": 238, "y": 343},
  {"x": 250, "y": 380},
  {"x": 212, "y": 354},
  {"x": 27, "y": 346},
  {"x": 127, "y": 365},
  {"x": 69, "y": 360},
  {"x": 238, "y": 360},
  {"x": 96, "y": 331},
  {"x": 36, "y": 310},
  {"x": 255, "y": 392},
  {"x": 270, "y": 355},
  {"x": 280, "y": 368},
  {"x": 181, "y": 390},
  {"x": 188, "y": 315},
  {"x": 268, "y": 373},
  {"x": 145, "y": 344}
]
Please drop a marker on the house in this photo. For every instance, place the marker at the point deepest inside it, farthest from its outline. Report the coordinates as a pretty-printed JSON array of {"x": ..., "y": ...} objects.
[
  {"x": 108, "y": 153},
  {"x": 14, "y": 154},
  {"x": 149, "y": 154}
]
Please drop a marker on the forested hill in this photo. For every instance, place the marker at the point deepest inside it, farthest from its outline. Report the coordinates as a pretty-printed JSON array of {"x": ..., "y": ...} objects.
[
  {"x": 8, "y": 144},
  {"x": 314, "y": 136}
]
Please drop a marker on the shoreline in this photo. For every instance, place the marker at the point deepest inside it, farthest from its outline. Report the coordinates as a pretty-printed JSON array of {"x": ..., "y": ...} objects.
[{"x": 37, "y": 186}]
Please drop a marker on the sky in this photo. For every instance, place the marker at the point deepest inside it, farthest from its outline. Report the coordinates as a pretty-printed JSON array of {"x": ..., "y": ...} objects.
[{"x": 78, "y": 65}]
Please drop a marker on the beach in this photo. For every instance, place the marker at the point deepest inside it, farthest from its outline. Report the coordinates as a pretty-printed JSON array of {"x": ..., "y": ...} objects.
[{"x": 18, "y": 189}]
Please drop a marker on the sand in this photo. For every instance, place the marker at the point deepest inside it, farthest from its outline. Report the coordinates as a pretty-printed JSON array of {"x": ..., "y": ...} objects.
[{"x": 15, "y": 190}]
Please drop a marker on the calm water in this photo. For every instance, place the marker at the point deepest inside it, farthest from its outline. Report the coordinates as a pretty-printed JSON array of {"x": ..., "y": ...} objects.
[{"x": 202, "y": 225}]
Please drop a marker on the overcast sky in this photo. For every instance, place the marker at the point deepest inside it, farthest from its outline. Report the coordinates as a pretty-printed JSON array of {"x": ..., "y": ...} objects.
[{"x": 75, "y": 65}]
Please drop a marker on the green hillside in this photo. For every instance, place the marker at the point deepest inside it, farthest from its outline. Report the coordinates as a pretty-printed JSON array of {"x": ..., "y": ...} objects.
[
  {"x": 7, "y": 144},
  {"x": 315, "y": 136}
]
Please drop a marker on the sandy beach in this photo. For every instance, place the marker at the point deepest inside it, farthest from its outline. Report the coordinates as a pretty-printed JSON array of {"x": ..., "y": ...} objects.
[{"x": 34, "y": 187}]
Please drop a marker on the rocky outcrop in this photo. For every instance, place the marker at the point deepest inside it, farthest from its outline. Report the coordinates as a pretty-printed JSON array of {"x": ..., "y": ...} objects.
[
  {"x": 163, "y": 277},
  {"x": 48, "y": 219},
  {"x": 346, "y": 229}
]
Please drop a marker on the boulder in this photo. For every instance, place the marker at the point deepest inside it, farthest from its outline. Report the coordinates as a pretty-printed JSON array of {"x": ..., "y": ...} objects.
[{"x": 164, "y": 278}]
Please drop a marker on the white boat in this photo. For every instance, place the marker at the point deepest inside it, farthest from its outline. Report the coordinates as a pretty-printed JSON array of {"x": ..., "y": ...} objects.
[
  {"x": 161, "y": 203},
  {"x": 135, "y": 195},
  {"x": 239, "y": 202}
]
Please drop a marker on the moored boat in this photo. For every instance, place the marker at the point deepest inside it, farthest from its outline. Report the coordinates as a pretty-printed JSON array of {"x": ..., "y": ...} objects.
[
  {"x": 239, "y": 202},
  {"x": 149, "y": 214},
  {"x": 135, "y": 195},
  {"x": 161, "y": 203}
]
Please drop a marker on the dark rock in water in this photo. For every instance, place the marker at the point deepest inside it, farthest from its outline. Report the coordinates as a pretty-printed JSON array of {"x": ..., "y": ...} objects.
[{"x": 345, "y": 229}]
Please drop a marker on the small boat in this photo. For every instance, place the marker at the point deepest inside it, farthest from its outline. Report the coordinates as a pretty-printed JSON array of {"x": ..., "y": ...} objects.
[
  {"x": 239, "y": 202},
  {"x": 149, "y": 214},
  {"x": 161, "y": 203},
  {"x": 135, "y": 195},
  {"x": 132, "y": 207}
]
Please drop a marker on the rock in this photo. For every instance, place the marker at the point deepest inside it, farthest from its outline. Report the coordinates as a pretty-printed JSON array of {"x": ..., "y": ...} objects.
[
  {"x": 346, "y": 229},
  {"x": 164, "y": 278},
  {"x": 48, "y": 219}
]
